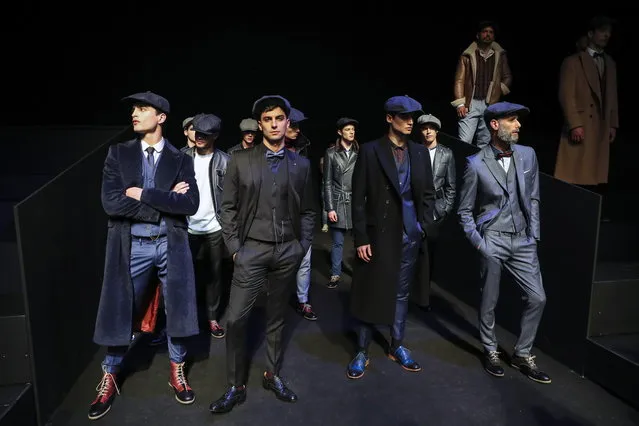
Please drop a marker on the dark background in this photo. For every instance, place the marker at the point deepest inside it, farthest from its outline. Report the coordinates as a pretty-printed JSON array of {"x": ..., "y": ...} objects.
[{"x": 64, "y": 65}]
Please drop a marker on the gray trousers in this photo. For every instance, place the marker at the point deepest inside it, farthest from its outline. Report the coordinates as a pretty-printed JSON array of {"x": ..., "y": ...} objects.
[{"x": 517, "y": 253}]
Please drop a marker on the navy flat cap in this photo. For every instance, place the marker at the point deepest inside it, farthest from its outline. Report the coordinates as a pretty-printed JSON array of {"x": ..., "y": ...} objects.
[
  {"x": 402, "y": 105},
  {"x": 264, "y": 101},
  {"x": 296, "y": 115},
  {"x": 150, "y": 98},
  {"x": 504, "y": 109},
  {"x": 207, "y": 124},
  {"x": 345, "y": 121}
]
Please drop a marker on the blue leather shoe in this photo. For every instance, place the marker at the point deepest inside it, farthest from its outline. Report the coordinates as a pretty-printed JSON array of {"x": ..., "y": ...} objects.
[
  {"x": 357, "y": 366},
  {"x": 401, "y": 355}
]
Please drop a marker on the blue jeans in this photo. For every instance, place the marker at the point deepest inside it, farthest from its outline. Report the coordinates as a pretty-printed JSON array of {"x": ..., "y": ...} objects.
[
  {"x": 148, "y": 264},
  {"x": 304, "y": 277},
  {"x": 337, "y": 250}
]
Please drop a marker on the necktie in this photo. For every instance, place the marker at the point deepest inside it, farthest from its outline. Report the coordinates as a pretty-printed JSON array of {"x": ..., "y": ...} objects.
[
  {"x": 273, "y": 158},
  {"x": 504, "y": 154},
  {"x": 150, "y": 150}
]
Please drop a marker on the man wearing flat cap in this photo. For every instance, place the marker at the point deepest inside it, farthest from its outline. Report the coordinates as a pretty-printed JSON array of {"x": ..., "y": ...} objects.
[
  {"x": 187, "y": 128},
  {"x": 249, "y": 129},
  {"x": 148, "y": 190},
  {"x": 392, "y": 205},
  {"x": 205, "y": 231},
  {"x": 267, "y": 223},
  {"x": 499, "y": 213},
  {"x": 444, "y": 179},
  {"x": 339, "y": 163}
]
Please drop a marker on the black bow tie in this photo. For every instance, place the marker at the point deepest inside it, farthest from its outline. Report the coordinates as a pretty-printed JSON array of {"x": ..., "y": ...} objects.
[
  {"x": 597, "y": 55},
  {"x": 504, "y": 154},
  {"x": 279, "y": 154}
]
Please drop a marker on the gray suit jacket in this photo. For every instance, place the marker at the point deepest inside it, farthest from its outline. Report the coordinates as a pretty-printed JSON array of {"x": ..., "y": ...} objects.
[
  {"x": 483, "y": 191},
  {"x": 444, "y": 177}
]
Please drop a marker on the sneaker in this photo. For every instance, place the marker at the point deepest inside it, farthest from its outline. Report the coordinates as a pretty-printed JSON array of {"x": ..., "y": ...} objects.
[
  {"x": 324, "y": 228},
  {"x": 306, "y": 310},
  {"x": 107, "y": 390},
  {"x": 216, "y": 330},
  {"x": 527, "y": 365},
  {"x": 492, "y": 364},
  {"x": 333, "y": 281}
]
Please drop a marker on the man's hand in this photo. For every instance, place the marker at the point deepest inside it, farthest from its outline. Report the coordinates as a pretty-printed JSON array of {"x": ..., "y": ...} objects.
[
  {"x": 332, "y": 216},
  {"x": 181, "y": 188},
  {"x": 613, "y": 134},
  {"x": 462, "y": 111},
  {"x": 134, "y": 192},
  {"x": 365, "y": 253},
  {"x": 577, "y": 134}
]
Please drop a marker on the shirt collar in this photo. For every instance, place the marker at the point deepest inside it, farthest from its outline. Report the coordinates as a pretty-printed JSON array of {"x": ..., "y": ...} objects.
[
  {"x": 158, "y": 147},
  {"x": 592, "y": 51}
]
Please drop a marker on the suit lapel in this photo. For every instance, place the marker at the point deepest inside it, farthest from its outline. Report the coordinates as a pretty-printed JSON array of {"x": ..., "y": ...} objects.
[
  {"x": 495, "y": 169},
  {"x": 416, "y": 170},
  {"x": 132, "y": 164},
  {"x": 292, "y": 170},
  {"x": 518, "y": 159},
  {"x": 256, "y": 166},
  {"x": 166, "y": 168},
  {"x": 387, "y": 161},
  {"x": 591, "y": 72}
]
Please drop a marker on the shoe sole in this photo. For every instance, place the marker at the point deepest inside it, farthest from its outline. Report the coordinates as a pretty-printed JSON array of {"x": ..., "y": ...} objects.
[
  {"x": 179, "y": 400},
  {"x": 545, "y": 382},
  {"x": 310, "y": 319},
  {"x": 361, "y": 375},
  {"x": 101, "y": 415},
  {"x": 412, "y": 370},
  {"x": 494, "y": 374},
  {"x": 218, "y": 337}
]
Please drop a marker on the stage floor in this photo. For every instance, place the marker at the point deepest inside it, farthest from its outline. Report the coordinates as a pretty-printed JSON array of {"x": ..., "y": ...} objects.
[{"x": 452, "y": 389}]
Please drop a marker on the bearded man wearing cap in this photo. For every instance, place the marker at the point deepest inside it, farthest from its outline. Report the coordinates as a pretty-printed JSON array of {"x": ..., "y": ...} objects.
[
  {"x": 499, "y": 213},
  {"x": 267, "y": 218},
  {"x": 148, "y": 190},
  {"x": 444, "y": 179},
  {"x": 482, "y": 77},
  {"x": 392, "y": 205},
  {"x": 249, "y": 129},
  {"x": 339, "y": 163},
  {"x": 205, "y": 231}
]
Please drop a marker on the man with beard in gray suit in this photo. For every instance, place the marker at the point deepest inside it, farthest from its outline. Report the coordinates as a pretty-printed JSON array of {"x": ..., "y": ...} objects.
[{"x": 499, "y": 212}]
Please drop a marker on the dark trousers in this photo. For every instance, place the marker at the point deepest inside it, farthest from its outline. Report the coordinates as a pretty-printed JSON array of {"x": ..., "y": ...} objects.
[
  {"x": 207, "y": 251},
  {"x": 259, "y": 266},
  {"x": 407, "y": 268}
]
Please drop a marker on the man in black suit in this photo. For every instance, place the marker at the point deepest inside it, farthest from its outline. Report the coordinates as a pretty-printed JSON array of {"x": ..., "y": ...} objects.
[
  {"x": 393, "y": 199},
  {"x": 267, "y": 223}
]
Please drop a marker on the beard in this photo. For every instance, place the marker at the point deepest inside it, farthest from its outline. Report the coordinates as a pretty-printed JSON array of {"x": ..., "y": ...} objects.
[{"x": 507, "y": 137}]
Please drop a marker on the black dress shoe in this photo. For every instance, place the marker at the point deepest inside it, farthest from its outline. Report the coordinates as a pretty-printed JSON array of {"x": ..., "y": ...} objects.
[
  {"x": 527, "y": 365},
  {"x": 492, "y": 364},
  {"x": 281, "y": 391},
  {"x": 234, "y": 396}
]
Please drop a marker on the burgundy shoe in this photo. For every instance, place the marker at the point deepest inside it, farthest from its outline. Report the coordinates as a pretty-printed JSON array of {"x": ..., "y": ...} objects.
[
  {"x": 216, "y": 330},
  {"x": 183, "y": 392},
  {"x": 107, "y": 390},
  {"x": 306, "y": 310}
]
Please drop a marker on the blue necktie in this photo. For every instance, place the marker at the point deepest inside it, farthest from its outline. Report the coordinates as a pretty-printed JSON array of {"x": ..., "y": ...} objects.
[{"x": 273, "y": 158}]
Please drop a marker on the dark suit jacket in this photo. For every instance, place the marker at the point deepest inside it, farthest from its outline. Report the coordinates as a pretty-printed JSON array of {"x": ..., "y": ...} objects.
[
  {"x": 241, "y": 192},
  {"x": 123, "y": 169},
  {"x": 378, "y": 221}
]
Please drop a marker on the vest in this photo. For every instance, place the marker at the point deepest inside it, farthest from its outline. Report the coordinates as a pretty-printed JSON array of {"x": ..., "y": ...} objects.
[
  {"x": 511, "y": 217},
  {"x": 148, "y": 229},
  {"x": 272, "y": 222}
]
